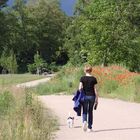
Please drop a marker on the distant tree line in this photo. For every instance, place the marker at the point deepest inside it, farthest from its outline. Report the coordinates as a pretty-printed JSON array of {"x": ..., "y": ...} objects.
[
  {"x": 31, "y": 27},
  {"x": 37, "y": 34},
  {"x": 105, "y": 32}
]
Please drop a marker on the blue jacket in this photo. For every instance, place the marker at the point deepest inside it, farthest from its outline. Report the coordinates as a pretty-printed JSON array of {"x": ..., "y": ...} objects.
[{"x": 78, "y": 98}]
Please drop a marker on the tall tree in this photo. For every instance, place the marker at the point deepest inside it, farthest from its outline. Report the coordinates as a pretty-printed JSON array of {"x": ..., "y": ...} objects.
[
  {"x": 3, "y": 3},
  {"x": 49, "y": 21},
  {"x": 34, "y": 26},
  {"x": 110, "y": 31},
  {"x": 2, "y": 25}
]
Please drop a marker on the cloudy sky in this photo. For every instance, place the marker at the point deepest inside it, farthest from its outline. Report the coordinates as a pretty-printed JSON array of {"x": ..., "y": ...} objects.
[{"x": 66, "y": 5}]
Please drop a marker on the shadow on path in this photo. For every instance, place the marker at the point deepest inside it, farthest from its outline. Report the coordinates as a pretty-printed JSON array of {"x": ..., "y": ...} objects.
[{"x": 117, "y": 129}]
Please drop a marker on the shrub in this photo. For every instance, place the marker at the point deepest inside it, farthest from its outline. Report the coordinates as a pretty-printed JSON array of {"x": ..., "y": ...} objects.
[
  {"x": 32, "y": 68},
  {"x": 109, "y": 86},
  {"x": 137, "y": 88},
  {"x": 6, "y": 102},
  {"x": 66, "y": 81},
  {"x": 27, "y": 119}
]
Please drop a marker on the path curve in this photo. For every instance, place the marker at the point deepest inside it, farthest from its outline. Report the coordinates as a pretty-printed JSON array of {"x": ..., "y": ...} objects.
[
  {"x": 35, "y": 82},
  {"x": 113, "y": 120}
]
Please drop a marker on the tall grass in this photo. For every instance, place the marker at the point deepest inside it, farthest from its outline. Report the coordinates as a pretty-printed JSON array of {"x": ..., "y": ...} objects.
[
  {"x": 137, "y": 89},
  {"x": 23, "y": 117},
  {"x": 10, "y": 79},
  {"x": 6, "y": 103},
  {"x": 117, "y": 82},
  {"x": 66, "y": 82},
  {"x": 113, "y": 82}
]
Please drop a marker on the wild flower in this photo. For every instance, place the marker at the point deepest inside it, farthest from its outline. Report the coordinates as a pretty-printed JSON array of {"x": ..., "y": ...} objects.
[{"x": 115, "y": 73}]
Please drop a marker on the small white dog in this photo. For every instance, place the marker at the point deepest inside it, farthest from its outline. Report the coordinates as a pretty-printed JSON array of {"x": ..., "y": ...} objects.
[{"x": 70, "y": 121}]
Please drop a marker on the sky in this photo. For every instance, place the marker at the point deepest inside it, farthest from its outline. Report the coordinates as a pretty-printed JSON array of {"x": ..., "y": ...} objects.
[{"x": 66, "y": 5}]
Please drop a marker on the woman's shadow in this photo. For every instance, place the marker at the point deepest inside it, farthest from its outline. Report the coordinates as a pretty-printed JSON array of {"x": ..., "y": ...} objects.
[
  {"x": 113, "y": 129},
  {"x": 117, "y": 129}
]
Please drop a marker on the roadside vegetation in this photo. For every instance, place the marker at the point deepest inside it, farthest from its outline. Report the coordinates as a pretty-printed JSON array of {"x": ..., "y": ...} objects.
[
  {"x": 22, "y": 116},
  {"x": 36, "y": 36},
  {"x": 12, "y": 79},
  {"x": 118, "y": 82},
  {"x": 113, "y": 82},
  {"x": 65, "y": 82}
]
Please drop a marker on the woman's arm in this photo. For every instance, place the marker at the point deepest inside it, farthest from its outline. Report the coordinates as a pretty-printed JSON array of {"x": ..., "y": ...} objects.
[
  {"x": 96, "y": 93},
  {"x": 80, "y": 86}
]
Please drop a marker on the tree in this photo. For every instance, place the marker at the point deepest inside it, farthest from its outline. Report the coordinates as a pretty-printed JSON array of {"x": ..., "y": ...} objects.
[
  {"x": 49, "y": 22},
  {"x": 38, "y": 66},
  {"x": 3, "y": 3},
  {"x": 2, "y": 24},
  {"x": 8, "y": 62},
  {"x": 28, "y": 27},
  {"x": 109, "y": 31}
]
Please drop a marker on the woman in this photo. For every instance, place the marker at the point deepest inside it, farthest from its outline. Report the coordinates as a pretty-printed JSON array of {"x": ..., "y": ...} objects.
[{"x": 87, "y": 84}]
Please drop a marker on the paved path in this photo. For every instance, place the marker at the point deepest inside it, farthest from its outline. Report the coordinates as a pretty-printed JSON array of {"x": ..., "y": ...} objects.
[
  {"x": 35, "y": 82},
  {"x": 113, "y": 120}
]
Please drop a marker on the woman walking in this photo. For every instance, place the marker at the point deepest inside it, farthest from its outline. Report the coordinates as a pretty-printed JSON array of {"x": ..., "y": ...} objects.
[{"x": 87, "y": 84}]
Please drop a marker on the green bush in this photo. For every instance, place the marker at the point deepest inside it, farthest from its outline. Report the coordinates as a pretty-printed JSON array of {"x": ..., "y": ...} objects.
[
  {"x": 38, "y": 64},
  {"x": 109, "y": 86},
  {"x": 32, "y": 68},
  {"x": 53, "y": 67},
  {"x": 137, "y": 88},
  {"x": 27, "y": 120},
  {"x": 66, "y": 81},
  {"x": 6, "y": 102}
]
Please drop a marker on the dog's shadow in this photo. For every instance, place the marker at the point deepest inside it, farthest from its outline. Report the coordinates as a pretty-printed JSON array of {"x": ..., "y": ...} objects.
[{"x": 77, "y": 126}]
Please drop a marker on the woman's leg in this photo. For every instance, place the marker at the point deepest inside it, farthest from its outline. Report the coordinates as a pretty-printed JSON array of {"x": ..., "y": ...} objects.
[
  {"x": 91, "y": 101},
  {"x": 85, "y": 110}
]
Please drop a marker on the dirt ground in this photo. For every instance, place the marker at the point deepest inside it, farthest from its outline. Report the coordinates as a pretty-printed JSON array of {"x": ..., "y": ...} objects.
[
  {"x": 35, "y": 82},
  {"x": 113, "y": 119}
]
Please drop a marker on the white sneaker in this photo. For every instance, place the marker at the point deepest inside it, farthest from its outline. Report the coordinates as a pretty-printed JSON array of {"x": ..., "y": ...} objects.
[
  {"x": 89, "y": 130},
  {"x": 85, "y": 126}
]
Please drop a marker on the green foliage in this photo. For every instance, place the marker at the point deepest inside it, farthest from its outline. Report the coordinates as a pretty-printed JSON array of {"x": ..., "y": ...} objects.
[
  {"x": 13, "y": 79},
  {"x": 8, "y": 62},
  {"x": 109, "y": 86},
  {"x": 32, "y": 68},
  {"x": 28, "y": 27},
  {"x": 53, "y": 67},
  {"x": 28, "y": 98},
  {"x": 66, "y": 82},
  {"x": 101, "y": 32},
  {"x": 38, "y": 61},
  {"x": 3, "y": 3},
  {"x": 137, "y": 88},
  {"x": 37, "y": 65},
  {"x": 108, "y": 30},
  {"x": 25, "y": 119},
  {"x": 6, "y": 102}
]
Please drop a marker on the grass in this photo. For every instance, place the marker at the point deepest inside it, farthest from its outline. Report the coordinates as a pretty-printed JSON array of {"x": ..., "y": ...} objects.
[
  {"x": 22, "y": 116},
  {"x": 66, "y": 82},
  {"x": 113, "y": 82},
  {"x": 12, "y": 79},
  {"x": 117, "y": 82},
  {"x": 6, "y": 102}
]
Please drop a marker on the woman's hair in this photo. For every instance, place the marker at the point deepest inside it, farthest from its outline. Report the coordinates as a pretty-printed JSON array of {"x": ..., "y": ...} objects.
[{"x": 88, "y": 68}]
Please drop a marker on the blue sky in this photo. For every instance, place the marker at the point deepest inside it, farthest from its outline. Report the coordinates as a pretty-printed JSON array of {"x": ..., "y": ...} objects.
[
  {"x": 66, "y": 5},
  {"x": 10, "y": 2}
]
